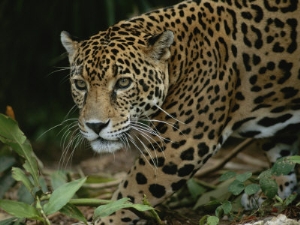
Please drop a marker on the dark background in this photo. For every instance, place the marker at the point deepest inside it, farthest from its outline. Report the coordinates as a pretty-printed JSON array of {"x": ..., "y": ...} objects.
[{"x": 33, "y": 66}]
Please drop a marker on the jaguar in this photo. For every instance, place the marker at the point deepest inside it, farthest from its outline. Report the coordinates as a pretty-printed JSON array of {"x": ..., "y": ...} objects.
[{"x": 176, "y": 82}]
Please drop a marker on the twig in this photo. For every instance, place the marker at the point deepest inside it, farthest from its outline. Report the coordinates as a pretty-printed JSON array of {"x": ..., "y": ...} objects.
[
  {"x": 228, "y": 157},
  {"x": 103, "y": 185}
]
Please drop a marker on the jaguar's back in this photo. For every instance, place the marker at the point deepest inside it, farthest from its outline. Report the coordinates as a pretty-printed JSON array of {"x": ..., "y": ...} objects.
[{"x": 197, "y": 73}]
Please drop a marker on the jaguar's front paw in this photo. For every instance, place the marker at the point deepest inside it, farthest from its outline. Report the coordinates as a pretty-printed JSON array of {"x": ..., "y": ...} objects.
[{"x": 253, "y": 201}]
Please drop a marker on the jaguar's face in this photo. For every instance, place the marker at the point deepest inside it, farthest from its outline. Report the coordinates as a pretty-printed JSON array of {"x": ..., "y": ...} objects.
[{"x": 115, "y": 82}]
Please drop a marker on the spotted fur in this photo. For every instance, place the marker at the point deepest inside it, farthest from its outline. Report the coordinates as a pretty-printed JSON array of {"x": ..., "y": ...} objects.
[{"x": 176, "y": 82}]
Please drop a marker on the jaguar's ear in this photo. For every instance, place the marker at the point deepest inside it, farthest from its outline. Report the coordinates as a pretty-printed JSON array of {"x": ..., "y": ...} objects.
[
  {"x": 160, "y": 45},
  {"x": 68, "y": 43}
]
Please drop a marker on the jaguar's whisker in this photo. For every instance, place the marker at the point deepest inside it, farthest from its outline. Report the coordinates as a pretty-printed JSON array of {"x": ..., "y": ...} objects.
[
  {"x": 168, "y": 114},
  {"x": 132, "y": 140},
  {"x": 150, "y": 139}
]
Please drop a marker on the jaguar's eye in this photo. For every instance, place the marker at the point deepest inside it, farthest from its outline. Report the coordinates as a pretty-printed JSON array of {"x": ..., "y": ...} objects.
[
  {"x": 80, "y": 85},
  {"x": 123, "y": 83}
]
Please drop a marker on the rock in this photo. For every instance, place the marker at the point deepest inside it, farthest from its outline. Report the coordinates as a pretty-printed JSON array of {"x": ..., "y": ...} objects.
[{"x": 279, "y": 220}]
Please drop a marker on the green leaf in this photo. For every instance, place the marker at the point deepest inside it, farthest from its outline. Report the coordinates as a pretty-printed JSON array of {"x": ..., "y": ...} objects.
[
  {"x": 227, "y": 176},
  {"x": 282, "y": 166},
  {"x": 10, "y": 132},
  {"x": 19, "y": 209},
  {"x": 11, "y": 135},
  {"x": 194, "y": 188},
  {"x": 219, "y": 212},
  {"x": 6, "y": 162},
  {"x": 252, "y": 189},
  {"x": 19, "y": 175},
  {"x": 269, "y": 187},
  {"x": 73, "y": 212},
  {"x": 236, "y": 187},
  {"x": 244, "y": 176},
  {"x": 140, "y": 207},
  {"x": 43, "y": 185},
  {"x": 58, "y": 178},
  {"x": 212, "y": 220},
  {"x": 24, "y": 195},
  {"x": 108, "y": 209},
  {"x": 31, "y": 165},
  {"x": 290, "y": 199},
  {"x": 295, "y": 158},
  {"x": 226, "y": 206},
  {"x": 62, "y": 195},
  {"x": 203, "y": 220},
  {"x": 12, "y": 221},
  {"x": 267, "y": 174},
  {"x": 6, "y": 181},
  {"x": 220, "y": 193}
]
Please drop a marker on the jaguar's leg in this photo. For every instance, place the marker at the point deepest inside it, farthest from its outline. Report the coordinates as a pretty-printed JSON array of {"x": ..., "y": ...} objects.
[
  {"x": 276, "y": 148},
  {"x": 162, "y": 168}
]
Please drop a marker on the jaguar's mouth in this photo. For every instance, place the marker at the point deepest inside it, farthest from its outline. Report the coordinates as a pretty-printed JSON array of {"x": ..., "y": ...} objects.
[
  {"x": 102, "y": 145},
  {"x": 101, "y": 139}
]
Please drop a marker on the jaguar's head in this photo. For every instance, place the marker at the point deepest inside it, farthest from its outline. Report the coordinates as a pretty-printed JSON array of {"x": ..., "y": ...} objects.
[{"x": 117, "y": 77}]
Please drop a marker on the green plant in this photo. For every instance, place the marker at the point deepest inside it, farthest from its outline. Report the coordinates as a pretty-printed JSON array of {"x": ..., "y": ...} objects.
[
  {"x": 282, "y": 204},
  {"x": 209, "y": 220},
  {"x": 124, "y": 203},
  {"x": 235, "y": 184},
  {"x": 266, "y": 181},
  {"x": 240, "y": 183},
  {"x": 42, "y": 202},
  {"x": 223, "y": 209}
]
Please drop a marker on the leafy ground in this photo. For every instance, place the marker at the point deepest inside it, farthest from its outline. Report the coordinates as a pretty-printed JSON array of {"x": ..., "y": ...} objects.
[
  {"x": 107, "y": 170},
  {"x": 185, "y": 207}
]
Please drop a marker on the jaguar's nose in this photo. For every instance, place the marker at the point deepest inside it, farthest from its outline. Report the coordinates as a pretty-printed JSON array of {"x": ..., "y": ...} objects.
[{"x": 97, "y": 126}]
